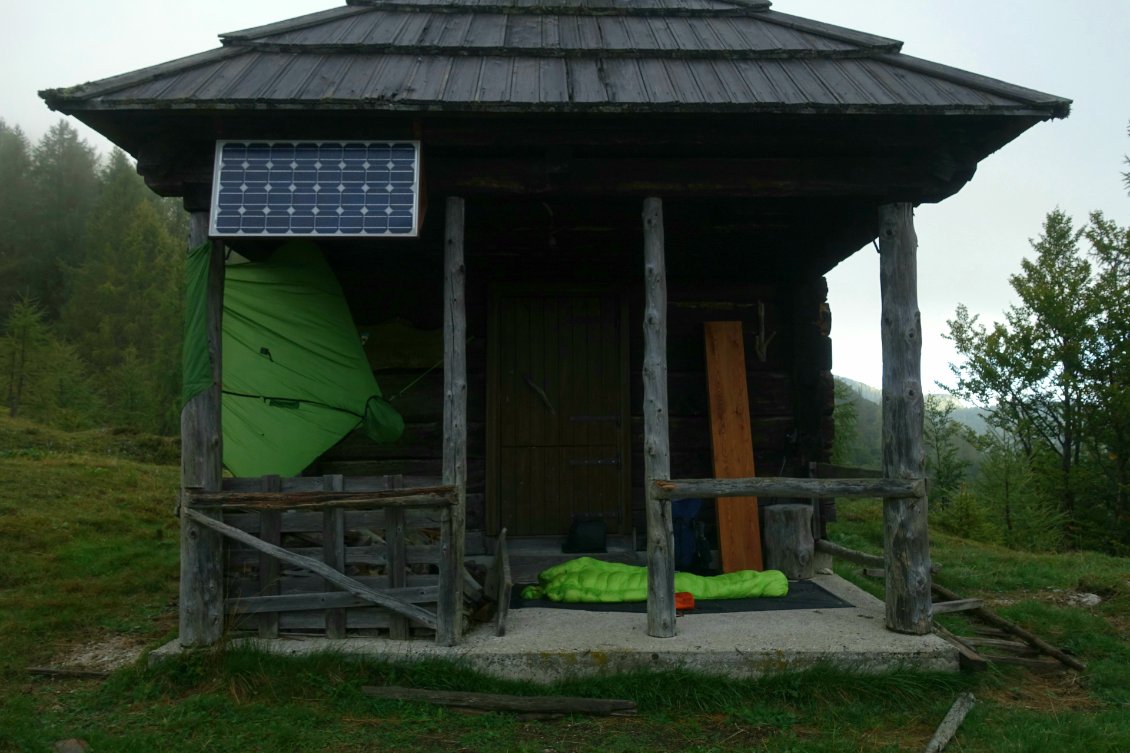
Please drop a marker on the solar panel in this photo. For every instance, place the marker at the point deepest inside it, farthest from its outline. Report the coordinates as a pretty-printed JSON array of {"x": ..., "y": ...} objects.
[{"x": 316, "y": 188}]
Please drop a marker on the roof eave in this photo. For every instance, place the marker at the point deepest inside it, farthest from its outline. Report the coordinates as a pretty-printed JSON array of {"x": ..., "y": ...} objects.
[{"x": 1043, "y": 111}]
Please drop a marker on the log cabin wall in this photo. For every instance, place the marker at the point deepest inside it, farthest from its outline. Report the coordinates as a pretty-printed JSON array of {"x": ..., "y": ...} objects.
[{"x": 395, "y": 292}]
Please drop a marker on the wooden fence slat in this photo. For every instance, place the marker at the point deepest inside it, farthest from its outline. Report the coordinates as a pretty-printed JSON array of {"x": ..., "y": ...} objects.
[
  {"x": 396, "y": 567},
  {"x": 353, "y": 484},
  {"x": 318, "y": 568},
  {"x": 304, "y": 521},
  {"x": 270, "y": 531},
  {"x": 435, "y": 497},
  {"x": 334, "y": 600},
  {"x": 333, "y": 550},
  {"x": 374, "y": 555}
]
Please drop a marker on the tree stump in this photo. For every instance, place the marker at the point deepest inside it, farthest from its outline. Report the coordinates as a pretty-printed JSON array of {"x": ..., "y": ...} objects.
[{"x": 789, "y": 546}]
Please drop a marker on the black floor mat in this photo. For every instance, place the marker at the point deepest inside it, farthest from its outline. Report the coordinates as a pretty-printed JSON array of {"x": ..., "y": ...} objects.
[{"x": 803, "y": 594}]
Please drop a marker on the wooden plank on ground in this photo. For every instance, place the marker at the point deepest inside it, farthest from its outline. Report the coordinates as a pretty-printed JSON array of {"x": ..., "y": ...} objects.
[
  {"x": 515, "y": 703},
  {"x": 739, "y": 529},
  {"x": 958, "y": 605},
  {"x": 968, "y": 656},
  {"x": 948, "y": 728},
  {"x": 994, "y": 619}
]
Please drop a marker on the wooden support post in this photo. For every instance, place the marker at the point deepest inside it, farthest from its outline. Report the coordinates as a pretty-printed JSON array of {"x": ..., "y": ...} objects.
[
  {"x": 201, "y": 549},
  {"x": 657, "y": 445},
  {"x": 450, "y": 607},
  {"x": 906, "y": 542},
  {"x": 789, "y": 546},
  {"x": 333, "y": 551},
  {"x": 396, "y": 558},
  {"x": 270, "y": 530}
]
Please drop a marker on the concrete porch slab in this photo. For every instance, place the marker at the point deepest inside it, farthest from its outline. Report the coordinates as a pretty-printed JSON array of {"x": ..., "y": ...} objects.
[{"x": 545, "y": 645}]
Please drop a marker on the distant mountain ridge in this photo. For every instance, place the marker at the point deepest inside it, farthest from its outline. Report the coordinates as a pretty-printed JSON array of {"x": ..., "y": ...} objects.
[{"x": 963, "y": 414}]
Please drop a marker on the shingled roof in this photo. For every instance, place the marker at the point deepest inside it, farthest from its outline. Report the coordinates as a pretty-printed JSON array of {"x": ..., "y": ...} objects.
[{"x": 557, "y": 55}]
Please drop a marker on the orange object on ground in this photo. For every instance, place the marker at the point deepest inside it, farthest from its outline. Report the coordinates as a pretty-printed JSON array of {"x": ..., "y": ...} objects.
[{"x": 684, "y": 601}]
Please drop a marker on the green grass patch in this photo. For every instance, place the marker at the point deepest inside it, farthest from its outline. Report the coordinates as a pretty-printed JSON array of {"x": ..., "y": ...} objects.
[{"x": 24, "y": 439}]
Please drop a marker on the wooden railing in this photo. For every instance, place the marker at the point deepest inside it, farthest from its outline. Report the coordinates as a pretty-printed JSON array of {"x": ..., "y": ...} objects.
[
  {"x": 789, "y": 488},
  {"x": 304, "y": 510},
  {"x": 661, "y": 492}
]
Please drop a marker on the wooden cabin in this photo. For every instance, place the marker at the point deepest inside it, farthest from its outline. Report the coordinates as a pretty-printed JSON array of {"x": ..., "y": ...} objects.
[{"x": 597, "y": 180}]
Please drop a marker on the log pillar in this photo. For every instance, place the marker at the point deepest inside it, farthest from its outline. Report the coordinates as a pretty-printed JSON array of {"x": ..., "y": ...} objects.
[
  {"x": 657, "y": 447},
  {"x": 201, "y": 549},
  {"x": 450, "y": 608},
  {"x": 906, "y": 543}
]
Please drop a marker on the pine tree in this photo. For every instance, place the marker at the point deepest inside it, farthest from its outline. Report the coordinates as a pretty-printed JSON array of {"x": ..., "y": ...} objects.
[
  {"x": 65, "y": 185},
  {"x": 125, "y": 309},
  {"x": 16, "y": 226},
  {"x": 25, "y": 337}
]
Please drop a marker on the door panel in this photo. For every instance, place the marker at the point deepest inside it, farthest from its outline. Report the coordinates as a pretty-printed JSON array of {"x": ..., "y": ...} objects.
[{"x": 560, "y": 412}]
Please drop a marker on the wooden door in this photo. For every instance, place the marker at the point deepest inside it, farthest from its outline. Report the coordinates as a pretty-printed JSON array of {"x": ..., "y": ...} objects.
[{"x": 559, "y": 418}]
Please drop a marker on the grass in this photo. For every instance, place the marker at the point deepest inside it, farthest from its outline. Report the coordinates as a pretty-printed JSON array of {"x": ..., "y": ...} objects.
[{"x": 88, "y": 550}]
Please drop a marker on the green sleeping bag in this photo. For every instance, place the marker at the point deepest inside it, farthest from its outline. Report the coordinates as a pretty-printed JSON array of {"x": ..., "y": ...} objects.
[{"x": 587, "y": 580}]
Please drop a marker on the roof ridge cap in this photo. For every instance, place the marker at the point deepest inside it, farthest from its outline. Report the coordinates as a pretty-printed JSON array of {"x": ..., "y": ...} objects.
[
  {"x": 831, "y": 31},
  {"x": 293, "y": 24},
  {"x": 557, "y": 6}
]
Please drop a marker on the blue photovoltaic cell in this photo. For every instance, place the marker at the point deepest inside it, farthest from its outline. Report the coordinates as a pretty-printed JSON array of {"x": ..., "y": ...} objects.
[{"x": 316, "y": 188}]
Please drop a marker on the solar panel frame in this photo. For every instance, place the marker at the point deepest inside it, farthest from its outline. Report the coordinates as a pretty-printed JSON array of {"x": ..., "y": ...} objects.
[{"x": 315, "y": 188}]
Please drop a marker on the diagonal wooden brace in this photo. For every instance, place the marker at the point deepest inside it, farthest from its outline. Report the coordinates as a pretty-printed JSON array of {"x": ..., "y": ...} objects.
[{"x": 319, "y": 568}]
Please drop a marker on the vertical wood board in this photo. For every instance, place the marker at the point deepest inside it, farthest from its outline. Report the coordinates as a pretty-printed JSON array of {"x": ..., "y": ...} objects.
[
  {"x": 333, "y": 553},
  {"x": 397, "y": 567},
  {"x": 739, "y": 528},
  {"x": 270, "y": 530}
]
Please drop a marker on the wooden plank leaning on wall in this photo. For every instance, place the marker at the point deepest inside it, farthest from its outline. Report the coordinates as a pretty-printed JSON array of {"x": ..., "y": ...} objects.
[{"x": 739, "y": 526}]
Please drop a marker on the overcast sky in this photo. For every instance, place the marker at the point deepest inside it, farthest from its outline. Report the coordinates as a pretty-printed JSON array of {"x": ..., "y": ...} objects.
[{"x": 968, "y": 245}]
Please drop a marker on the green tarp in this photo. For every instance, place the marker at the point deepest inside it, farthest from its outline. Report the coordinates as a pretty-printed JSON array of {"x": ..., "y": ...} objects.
[
  {"x": 196, "y": 371},
  {"x": 296, "y": 379}
]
